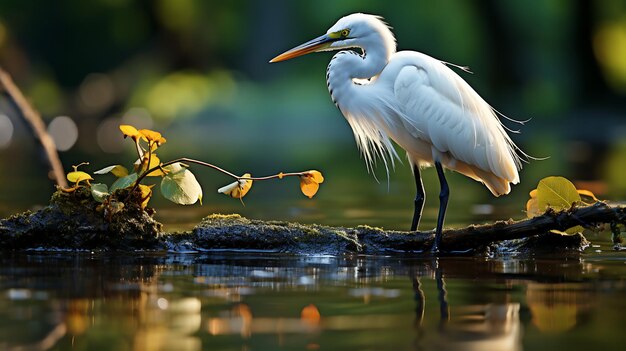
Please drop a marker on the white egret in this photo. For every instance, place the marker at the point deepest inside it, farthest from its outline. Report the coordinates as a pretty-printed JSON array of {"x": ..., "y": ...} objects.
[{"x": 418, "y": 102}]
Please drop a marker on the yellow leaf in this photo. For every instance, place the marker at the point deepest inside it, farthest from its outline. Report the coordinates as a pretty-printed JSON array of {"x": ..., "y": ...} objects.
[
  {"x": 316, "y": 175},
  {"x": 154, "y": 161},
  {"x": 129, "y": 131},
  {"x": 574, "y": 230},
  {"x": 117, "y": 170},
  {"x": 237, "y": 189},
  {"x": 587, "y": 197},
  {"x": 532, "y": 208},
  {"x": 155, "y": 144},
  {"x": 69, "y": 190},
  {"x": 557, "y": 193},
  {"x": 229, "y": 189},
  {"x": 78, "y": 176},
  {"x": 309, "y": 182},
  {"x": 150, "y": 135},
  {"x": 146, "y": 193},
  {"x": 309, "y": 188}
]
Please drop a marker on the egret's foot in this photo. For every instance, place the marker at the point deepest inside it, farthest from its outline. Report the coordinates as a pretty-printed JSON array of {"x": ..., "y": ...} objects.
[{"x": 434, "y": 249}]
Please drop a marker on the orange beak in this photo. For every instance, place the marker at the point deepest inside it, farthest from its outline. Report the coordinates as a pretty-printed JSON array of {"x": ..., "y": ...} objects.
[{"x": 318, "y": 44}]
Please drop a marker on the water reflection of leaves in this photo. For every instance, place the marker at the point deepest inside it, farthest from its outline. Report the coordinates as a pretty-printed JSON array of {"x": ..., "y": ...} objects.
[{"x": 556, "y": 308}]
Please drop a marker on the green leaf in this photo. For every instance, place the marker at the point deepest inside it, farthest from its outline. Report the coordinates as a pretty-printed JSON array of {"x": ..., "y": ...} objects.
[
  {"x": 117, "y": 170},
  {"x": 180, "y": 186},
  {"x": 124, "y": 182},
  {"x": 99, "y": 191}
]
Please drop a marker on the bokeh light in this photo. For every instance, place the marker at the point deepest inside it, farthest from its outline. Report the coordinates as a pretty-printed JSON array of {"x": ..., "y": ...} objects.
[
  {"x": 609, "y": 45},
  {"x": 109, "y": 136},
  {"x": 97, "y": 92},
  {"x": 64, "y": 132},
  {"x": 6, "y": 131},
  {"x": 138, "y": 117},
  {"x": 3, "y": 34}
]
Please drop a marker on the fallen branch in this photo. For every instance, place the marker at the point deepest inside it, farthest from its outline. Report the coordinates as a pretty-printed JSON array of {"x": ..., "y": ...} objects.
[
  {"x": 587, "y": 216},
  {"x": 36, "y": 125},
  {"x": 234, "y": 232}
]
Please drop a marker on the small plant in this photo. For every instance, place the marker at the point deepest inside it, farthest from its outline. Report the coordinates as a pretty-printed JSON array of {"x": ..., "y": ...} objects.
[{"x": 178, "y": 184}]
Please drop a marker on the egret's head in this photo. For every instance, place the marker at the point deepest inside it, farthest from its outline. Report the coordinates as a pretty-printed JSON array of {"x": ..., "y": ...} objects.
[{"x": 355, "y": 30}]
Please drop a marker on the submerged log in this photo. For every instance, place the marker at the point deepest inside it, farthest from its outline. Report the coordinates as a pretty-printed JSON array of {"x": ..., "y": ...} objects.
[{"x": 76, "y": 221}]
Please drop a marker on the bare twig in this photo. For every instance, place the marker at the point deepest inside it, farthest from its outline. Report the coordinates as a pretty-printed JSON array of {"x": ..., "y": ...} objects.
[{"x": 36, "y": 125}]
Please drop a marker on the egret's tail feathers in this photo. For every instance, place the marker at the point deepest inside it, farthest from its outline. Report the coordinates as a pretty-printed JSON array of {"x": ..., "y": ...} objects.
[{"x": 497, "y": 185}]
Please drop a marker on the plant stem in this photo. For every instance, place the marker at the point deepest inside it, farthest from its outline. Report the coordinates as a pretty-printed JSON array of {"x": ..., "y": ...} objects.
[
  {"x": 182, "y": 159},
  {"x": 138, "y": 148},
  {"x": 201, "y": 163},
  {"x": 206, "y": 164},
  {"x": 273, "y": 176},
  {"x": 149, "y": 155}
]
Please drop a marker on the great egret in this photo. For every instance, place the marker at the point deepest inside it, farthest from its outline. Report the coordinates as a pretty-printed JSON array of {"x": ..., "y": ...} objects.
[{"x": 417, "y": 101}]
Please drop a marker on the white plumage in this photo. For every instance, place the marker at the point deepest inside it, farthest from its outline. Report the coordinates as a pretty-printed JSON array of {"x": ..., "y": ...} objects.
[{"x": 416, "y": 101}]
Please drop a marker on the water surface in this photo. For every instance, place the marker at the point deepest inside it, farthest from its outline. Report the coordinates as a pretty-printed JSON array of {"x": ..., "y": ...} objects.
[{"x": 220, "y": 301}]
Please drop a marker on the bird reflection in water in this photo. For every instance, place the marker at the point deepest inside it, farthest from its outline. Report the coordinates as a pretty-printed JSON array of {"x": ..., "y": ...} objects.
[{"x": 485, "y": 327}]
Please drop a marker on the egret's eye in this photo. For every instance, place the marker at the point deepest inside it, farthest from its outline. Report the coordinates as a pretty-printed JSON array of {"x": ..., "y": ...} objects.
[{"x": 345, "y": 32}]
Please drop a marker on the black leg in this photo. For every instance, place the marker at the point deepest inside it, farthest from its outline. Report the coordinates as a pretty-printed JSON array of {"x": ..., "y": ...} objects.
[
  {"x": 419, "y": 198},
  {"x": 443, "y": 205}
]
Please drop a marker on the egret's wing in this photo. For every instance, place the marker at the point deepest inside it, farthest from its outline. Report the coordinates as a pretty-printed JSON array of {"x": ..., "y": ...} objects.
[{"x": 439, "y": 107}]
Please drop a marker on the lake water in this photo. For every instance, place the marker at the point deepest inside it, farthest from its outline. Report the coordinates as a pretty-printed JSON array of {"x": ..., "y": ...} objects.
[{"x": 65, "y": 301}]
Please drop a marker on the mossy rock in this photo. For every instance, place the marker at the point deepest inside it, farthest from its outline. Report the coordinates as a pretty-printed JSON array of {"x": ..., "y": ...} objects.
[{"x": 76, "y": 221}]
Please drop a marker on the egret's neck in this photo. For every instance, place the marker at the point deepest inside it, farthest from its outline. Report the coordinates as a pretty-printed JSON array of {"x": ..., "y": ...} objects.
[{"x": 346, "y": 66}]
